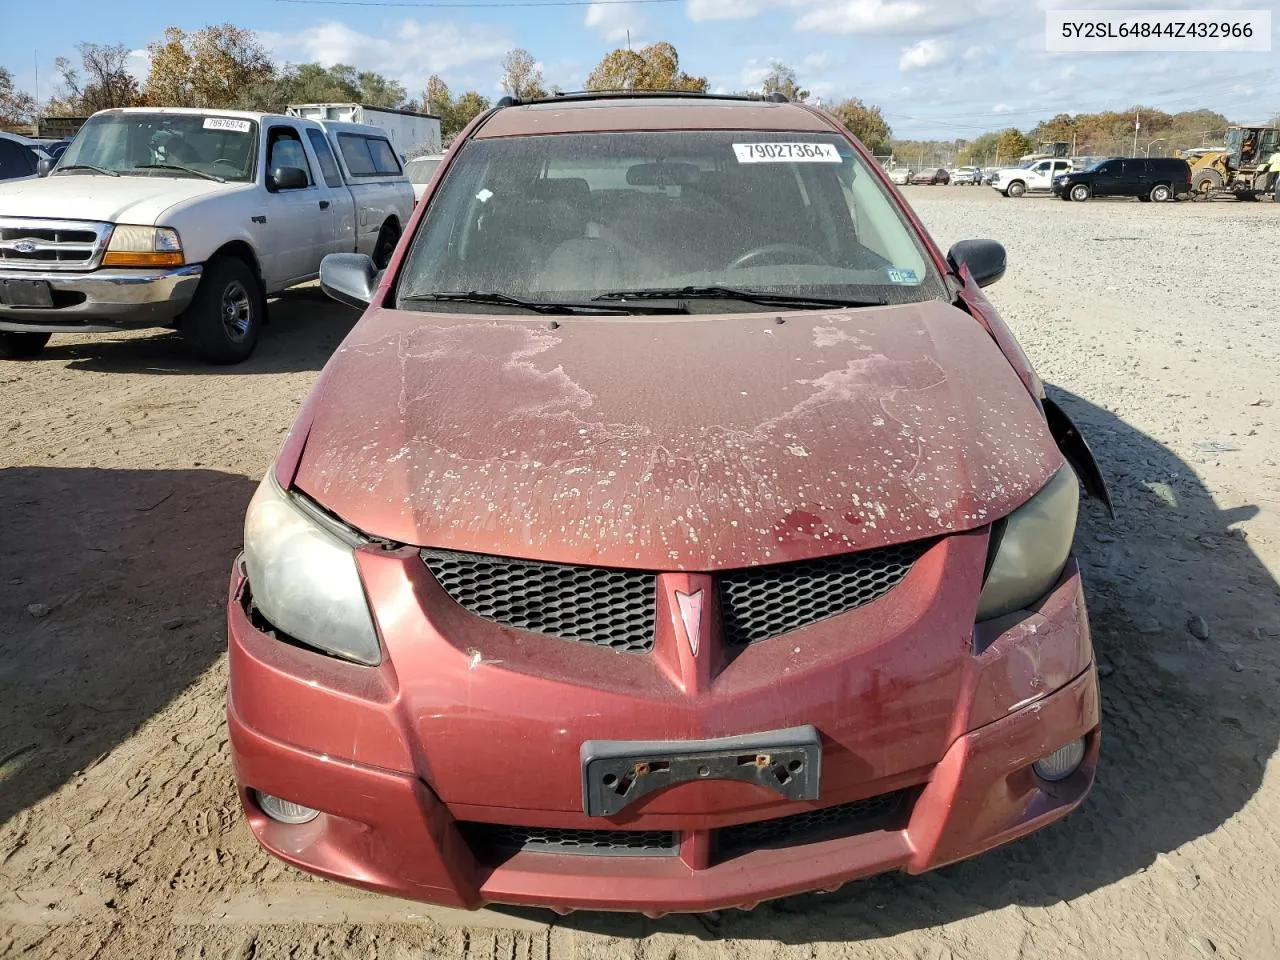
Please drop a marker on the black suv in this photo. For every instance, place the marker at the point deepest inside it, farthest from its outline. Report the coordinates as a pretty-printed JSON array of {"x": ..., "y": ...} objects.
[{"x": 1147, "y": 178}]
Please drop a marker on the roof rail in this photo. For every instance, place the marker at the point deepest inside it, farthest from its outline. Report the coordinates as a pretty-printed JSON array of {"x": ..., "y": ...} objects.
[{"x": 561, "y": 95}]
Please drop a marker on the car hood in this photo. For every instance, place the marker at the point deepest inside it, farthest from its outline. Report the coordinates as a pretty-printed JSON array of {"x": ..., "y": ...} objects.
[
  {"x": 672, "y": 443},
  {"x": 124, "y": 199}
]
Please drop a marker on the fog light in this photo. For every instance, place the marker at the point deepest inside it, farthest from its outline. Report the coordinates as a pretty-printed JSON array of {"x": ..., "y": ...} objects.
[
  {"x": 1062, "y": 763},
  {"x": 283, "y": 810}
]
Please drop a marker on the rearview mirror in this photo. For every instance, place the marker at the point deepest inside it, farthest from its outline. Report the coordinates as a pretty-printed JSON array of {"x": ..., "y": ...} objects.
[
  {"x": 349, "y": 278},
  {"x": 287, "y": 178},
  {"x": 44, "y": 166},
  {"x": 985, "y": 259}
]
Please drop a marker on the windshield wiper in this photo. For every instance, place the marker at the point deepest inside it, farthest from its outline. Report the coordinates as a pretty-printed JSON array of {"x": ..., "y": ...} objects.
[
  {"x": 88, "y": 166},
  {"x": 177, "y": 166},
  {"x": 540, "y": 306},
  {"x": 763, "y": 298}
]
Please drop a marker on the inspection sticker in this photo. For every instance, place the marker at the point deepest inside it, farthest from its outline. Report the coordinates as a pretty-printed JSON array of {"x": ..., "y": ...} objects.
[
  {"x": 786, "y": 153},
  {"x": 227, "y": 123},
  {"x": 901, "y": 275}
]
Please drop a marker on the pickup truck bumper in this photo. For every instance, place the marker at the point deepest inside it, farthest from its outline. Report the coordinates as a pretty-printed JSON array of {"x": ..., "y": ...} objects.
[{"x": 99, "y": 301}]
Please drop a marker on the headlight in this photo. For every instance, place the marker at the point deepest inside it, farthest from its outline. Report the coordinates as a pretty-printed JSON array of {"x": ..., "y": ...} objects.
[
  {"x": 133, "y": 246},
  {"x": 303, "y": 576},
  {"x": 1033, "y": 547}
]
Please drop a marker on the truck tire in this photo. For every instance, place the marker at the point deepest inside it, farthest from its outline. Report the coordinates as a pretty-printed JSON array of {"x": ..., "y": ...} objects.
[
  {"x": 1160, "y": 193},
  {"x": 226, "y": 316},
  {"x": 1080, "y": 192},
  {"x": 16, "y": 345},
  {"x": 388, "y": 237},
  {"x": 1016, "y": 189}
]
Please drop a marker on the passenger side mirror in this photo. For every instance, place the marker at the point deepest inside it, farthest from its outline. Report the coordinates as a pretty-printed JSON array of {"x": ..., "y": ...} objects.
[
  {"x": 349, "y": 278},
  {"x": 287, "y": 178},
  {"x": 985, "y": 259},
  {"x": 44, "y": 166}
]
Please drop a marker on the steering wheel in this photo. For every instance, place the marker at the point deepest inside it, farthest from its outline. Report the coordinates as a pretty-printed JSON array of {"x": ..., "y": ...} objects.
[
  {"x": 771, "y": 252},
  {"x": 229, "y": 163}
]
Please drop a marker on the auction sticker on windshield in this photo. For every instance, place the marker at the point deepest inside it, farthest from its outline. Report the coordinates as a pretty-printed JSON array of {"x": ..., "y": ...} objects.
[
  {"x": 786, "y": 153},
  {"x": 227, "y": 123}
]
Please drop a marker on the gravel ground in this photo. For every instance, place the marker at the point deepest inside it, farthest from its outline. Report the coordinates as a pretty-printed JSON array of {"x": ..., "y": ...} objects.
[{"x": 125, "y": 470}]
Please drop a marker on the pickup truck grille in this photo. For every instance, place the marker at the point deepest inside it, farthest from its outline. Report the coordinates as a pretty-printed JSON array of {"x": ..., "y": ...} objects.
[{"x": 51, "y": 244}]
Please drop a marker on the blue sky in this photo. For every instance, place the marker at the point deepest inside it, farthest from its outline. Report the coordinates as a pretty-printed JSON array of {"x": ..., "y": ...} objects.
[{"x": 944, "y": 68}]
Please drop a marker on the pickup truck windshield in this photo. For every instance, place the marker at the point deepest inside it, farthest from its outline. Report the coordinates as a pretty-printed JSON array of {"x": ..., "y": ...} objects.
[
  {"x": 633, "y": 216},
  {"x": 164, "y": 145}
]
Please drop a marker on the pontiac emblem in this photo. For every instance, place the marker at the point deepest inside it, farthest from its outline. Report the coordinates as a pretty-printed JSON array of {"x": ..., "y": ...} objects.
[
  {"x": 691, "y": 616},
  {"x": 24, "y": 246}
]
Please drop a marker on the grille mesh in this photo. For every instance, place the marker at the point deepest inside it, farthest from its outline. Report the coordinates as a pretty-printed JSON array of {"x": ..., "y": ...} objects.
[
  {"x": 599, "y": 605},
  {"x": 762, "y": 602},
  {"x": 842, "y": 820},
  {"x": 615, "y": 843}
]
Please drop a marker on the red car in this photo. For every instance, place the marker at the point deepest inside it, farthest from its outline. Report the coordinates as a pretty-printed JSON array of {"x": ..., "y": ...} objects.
[
  {"x": 931, "y": 177},
  {"x": 677, "y": 529}
]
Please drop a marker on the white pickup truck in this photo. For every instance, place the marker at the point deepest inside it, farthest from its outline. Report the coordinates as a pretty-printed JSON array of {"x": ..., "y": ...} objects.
[
  {"x": 1035, "y": 176},
  {"x": 190, "y": 218}
]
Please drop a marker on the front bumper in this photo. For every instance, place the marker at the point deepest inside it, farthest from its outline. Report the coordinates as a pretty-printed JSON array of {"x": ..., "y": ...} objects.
[
  {"x": 395, "y": 774},
  {"x": 103, "y": 300}
]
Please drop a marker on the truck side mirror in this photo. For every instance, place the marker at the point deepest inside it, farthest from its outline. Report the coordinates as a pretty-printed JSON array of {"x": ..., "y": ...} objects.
[
  {"x": 287, "y": 178},
  {"x": 349, "y": 278},
  {"x": 44, "y": 166},
  {"x": 985, "y": 259}
]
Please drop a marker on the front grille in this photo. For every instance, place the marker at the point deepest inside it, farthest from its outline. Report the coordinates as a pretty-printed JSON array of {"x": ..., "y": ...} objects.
[
  {"x": 599, "y": 605},
  {"x": 50, "y": 244},
  {"x": 498, "y": 838},
  {"x": 762, "y": 602},
  {"x": 886, "y": 811}
]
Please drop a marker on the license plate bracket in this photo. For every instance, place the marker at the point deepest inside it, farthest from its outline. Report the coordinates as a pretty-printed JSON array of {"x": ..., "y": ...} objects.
[
  {"x": 26, "y": 293},
  {"x": 617, "y": 773}
]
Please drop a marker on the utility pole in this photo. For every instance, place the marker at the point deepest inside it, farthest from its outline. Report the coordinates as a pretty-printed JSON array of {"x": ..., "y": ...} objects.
[{"x": 1137, "y": 125}]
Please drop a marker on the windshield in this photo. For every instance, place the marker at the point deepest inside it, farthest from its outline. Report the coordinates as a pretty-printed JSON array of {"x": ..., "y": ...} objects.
[
  {"x": 422, "y": 169},
  {"x": 572, "y": 217},
  {"x": 162, "y": 144}
]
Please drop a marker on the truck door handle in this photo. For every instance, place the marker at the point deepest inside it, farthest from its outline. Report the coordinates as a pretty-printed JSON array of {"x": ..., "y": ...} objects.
[{"x": 324, "y": 204}]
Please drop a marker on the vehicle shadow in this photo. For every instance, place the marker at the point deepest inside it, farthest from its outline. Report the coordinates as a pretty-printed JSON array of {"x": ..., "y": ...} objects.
[
  {"x": 112, "y": 587},
  {"x": 1188, "y": 724},
  {"x": 305, "y": 328}
]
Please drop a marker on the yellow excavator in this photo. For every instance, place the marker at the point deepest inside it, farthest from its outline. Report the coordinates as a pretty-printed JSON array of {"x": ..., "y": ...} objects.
[{"x": 1248, "y": 165}]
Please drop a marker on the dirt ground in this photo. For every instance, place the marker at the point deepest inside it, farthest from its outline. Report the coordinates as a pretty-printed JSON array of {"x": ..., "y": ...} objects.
[{"x": 125, "y": 469}]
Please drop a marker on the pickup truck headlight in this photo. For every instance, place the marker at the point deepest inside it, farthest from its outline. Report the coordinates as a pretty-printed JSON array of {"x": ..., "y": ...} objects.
[
  {"x": 134, "y": 246},
  {"x": 303, "y": 577},
  {"x": 1031, "y": 547}
]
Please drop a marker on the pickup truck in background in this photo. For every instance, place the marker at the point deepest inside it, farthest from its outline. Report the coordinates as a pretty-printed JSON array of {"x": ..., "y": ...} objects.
[
  {"x": 190, "y": 219},
  {"x": 1035, "y": 176}
]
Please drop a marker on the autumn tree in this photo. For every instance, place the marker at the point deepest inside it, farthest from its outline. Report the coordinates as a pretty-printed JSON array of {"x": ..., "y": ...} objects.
[
  {"x": 100, "y": 82},
  {"x": 312, "y": 83},
  {"x": 1013, "y": 144},
  {"x": 15, "y": 106},
  {"x": 864, "y": 122},
  {"x": 521, "y": 75},
  {"x": 208, "y": 68},
  {"x": 454, "y": 114},
  {"x": 655, "y": 67},
  {"x": 782, "y": 79}
]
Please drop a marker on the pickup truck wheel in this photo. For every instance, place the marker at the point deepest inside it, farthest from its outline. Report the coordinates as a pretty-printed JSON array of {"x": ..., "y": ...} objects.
[
  {"x": 1080, "y": 192},
  {"x": 388, "y": 237},
  {"x": 225, "y": 318},
  {"x": 1016, "y": 189},
  {"x": 15, "y": 345}
]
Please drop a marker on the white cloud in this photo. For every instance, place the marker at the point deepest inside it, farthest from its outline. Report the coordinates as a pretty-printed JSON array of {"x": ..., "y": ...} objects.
[
  {"x": 1001, "y": 108},
  {"x": 414, "y": 49},
  {"x": 864, "y": 16},
  {"x": 923, "y": 55},
  {"x": 612, "y": 21},
  {"x": 139, "y": 64},
  {"x": 702, "y": 10},
  {"x": 753, "y": 73}
]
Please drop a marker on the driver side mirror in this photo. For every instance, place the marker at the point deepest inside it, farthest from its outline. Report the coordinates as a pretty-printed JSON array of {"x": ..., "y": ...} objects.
[
  {"x": 985, "y": 259},
  {"x": 287, "y": 178},
  {"x": 349, "y": 278},
  {"x": 44, "y": 166}
]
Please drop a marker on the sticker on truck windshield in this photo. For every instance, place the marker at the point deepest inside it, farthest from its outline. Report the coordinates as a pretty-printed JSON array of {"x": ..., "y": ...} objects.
[
  {"x": 901, "y": 275},
  {"x": 227, "y": 123},
  {"x": 786, "y": 153}
]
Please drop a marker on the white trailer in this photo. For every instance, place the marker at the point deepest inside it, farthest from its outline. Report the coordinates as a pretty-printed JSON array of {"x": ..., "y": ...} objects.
[{"x": 411, "y": 134}]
